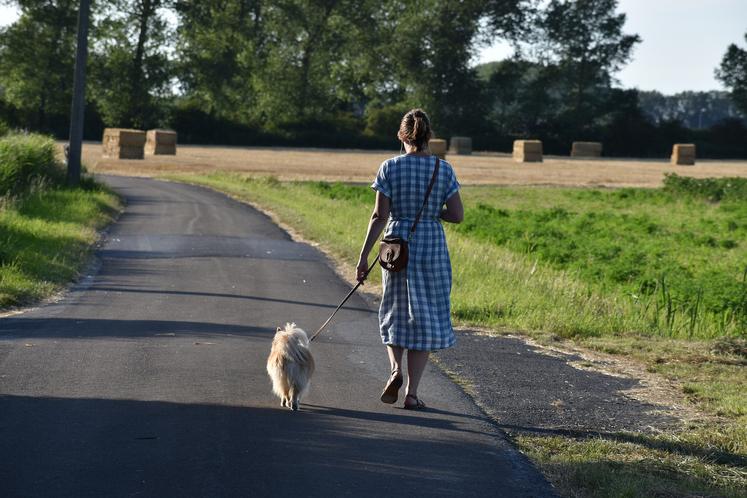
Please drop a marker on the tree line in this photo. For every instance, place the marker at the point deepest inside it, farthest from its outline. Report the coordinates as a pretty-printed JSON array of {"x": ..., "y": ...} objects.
[{"x": 342, "y": 72}]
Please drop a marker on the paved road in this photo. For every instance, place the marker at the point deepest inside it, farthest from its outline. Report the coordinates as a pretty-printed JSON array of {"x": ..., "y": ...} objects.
[{"x": 148, "y": 378}]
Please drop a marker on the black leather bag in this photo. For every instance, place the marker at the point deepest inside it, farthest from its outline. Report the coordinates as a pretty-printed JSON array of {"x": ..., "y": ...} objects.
[{"x": 393, "y": 251}]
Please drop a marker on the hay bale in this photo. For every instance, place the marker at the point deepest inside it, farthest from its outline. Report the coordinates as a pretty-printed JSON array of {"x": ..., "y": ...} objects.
[
  {"x": 528, "y": 151},
  {"x": 160, "y": 142},
  {"x": 121, "y": 143},
  {"x": 586, "y": 149},
  {"x": 683, "y": 154},
  {"x": 438, "y": 147},
  {"x": 460, "y": 145}
]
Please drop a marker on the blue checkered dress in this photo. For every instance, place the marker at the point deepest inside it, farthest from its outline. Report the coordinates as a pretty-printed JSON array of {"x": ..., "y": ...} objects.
[{"x": 415, "y": 310}]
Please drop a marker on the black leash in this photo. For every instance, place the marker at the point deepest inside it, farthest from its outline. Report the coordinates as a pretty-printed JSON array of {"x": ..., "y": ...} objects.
[{"x": 365, "y": 275}]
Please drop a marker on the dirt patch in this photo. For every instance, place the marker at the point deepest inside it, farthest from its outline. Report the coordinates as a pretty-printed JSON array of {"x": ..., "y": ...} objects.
[{"x": 360, "y": 166}]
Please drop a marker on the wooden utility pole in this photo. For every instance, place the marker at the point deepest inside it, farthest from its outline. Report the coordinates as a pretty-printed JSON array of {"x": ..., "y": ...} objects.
[{"x": 79, "y": 96}]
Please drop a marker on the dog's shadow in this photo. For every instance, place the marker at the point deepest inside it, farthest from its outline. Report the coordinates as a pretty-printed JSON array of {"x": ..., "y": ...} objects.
[{"x": 403, "y": 417}]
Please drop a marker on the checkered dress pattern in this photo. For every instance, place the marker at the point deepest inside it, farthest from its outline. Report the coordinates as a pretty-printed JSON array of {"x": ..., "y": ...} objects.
[{"x": 415, "y": 310}]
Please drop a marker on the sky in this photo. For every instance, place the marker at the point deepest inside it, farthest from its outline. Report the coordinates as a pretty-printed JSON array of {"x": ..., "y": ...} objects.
[{"x": 683, "y": 42}]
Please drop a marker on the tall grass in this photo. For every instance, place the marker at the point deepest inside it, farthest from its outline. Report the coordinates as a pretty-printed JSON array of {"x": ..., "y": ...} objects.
[
  {"x": 27, "y": 160},
  {"x": 46, "y": 230},
  {"x": 574, "y": 262}
]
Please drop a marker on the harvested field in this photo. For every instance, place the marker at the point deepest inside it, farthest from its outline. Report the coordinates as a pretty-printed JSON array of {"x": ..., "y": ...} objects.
[{"x": 360, "y": 166}]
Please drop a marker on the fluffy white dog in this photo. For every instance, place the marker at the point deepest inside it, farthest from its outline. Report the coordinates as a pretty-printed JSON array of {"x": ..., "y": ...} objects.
[{"x": 290, "y": 365}]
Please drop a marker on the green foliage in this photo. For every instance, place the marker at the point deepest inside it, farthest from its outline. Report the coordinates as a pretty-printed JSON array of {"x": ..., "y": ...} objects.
[
  {"x": 129, "y": 67},
  {"x": 4, "y": 129},
  {"x": 710, "y": 189},
  {"x": 693, "y": 109},
  {"x": 36, "y": 62},
  {"x": 562, "y": 89},
  {"x": 733, "y": 73},
  {"x": 26, "y": 161},
  {"x": 680, "y": 272},
  {"x": 45, "y": 238}
]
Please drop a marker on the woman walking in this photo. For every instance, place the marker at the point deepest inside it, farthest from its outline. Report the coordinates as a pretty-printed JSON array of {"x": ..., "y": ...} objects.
[{"x": 415, "y": 312}]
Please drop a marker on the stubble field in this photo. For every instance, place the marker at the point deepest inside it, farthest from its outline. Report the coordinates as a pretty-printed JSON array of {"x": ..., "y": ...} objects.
[{"x": 360, "y": 166}]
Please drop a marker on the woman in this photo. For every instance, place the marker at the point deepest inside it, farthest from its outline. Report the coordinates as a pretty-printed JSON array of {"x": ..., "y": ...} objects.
[{"x": 415, "y": 312}]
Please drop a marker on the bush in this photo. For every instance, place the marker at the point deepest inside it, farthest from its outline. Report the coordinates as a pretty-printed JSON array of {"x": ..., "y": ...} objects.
[
  {"x": 25, "y": 161},
  {"x": 711, "y": 189},
  {"x": 4, "y": 129}
]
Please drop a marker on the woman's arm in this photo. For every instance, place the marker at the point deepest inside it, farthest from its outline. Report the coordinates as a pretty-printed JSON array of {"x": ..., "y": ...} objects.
[
  {"x": 379, "y": 219},
  {"x": 454, "y": 211}
]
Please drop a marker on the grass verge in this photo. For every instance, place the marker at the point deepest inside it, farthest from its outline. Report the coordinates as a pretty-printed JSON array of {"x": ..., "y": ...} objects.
[
  {"x": 513, "y": 282},
  {"x": 45, "y": 239}
]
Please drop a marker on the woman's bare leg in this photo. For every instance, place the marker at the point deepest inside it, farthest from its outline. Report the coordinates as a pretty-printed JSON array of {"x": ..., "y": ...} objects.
[
  {"x": 395, "y": 358},
  {"x": 416, "y": 361}
]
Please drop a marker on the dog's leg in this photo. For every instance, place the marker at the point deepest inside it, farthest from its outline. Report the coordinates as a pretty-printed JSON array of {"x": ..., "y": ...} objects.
[{"x": 293, "y": 399}]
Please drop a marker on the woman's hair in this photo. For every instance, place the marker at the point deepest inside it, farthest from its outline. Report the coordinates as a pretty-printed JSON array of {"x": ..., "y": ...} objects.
[{"x": 415, "y": 129}]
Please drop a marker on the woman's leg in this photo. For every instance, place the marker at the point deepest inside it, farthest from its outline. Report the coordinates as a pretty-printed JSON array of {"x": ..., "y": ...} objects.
[
  {"x": 395, "y": 358},
  {"x": 416, "y": 361}
]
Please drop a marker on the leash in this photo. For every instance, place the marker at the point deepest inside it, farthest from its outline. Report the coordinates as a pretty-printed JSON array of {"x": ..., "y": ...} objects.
[{"x": 365, "y": 275}]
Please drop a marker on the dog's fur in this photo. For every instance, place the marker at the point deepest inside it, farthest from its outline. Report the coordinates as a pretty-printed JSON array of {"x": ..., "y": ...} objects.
[{"x": 290, "y": 365}]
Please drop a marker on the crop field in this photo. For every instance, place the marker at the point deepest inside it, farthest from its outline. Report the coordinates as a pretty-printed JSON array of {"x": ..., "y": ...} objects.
[{"x": 359, "y": 166}]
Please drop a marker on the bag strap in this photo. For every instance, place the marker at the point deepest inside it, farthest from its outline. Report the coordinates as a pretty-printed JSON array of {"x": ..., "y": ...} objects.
[{"x": 425, "y": 201}]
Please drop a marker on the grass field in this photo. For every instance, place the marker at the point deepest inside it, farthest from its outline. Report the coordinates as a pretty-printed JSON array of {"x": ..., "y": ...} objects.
[
  {"x": 360, "y": 166},
  {"x": 522, "y": 274}
]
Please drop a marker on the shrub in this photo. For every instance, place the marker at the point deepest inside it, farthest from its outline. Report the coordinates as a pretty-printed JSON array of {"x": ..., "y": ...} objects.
[
  {"x": 4, "y": 129},
  {"x": 711, "y": 189},
  {"x": 27, "y": 160}
]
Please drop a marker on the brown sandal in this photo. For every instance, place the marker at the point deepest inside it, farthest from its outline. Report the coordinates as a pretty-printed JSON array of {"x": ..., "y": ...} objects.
[
  {"x": 419, "y": 405},
  {"x": 391, "y": 391}
]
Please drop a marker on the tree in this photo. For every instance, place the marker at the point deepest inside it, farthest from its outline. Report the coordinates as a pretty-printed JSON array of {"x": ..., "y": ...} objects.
[
  {"x": 733, "y": 73},
  {"x": 130, "y": 68},
  {"x": 36, "y": 63},
  {"x": 218, "y": 46},
  {"x": 584, "y": 39}
]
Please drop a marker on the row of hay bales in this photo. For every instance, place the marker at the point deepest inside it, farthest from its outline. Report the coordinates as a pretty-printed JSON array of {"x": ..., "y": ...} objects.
[
  {"x": 530, "y": 151},
  {"x": 123, "y": 143}
]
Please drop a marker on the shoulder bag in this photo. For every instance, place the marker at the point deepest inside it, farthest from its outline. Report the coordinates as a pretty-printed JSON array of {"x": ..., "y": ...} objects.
[{"x": 393, "y": 251}]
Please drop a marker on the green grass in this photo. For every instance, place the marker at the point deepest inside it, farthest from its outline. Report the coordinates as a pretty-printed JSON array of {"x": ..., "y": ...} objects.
[
  {"x": 573, "y": 262},
  {"x": 693, "y": 463},
  {"x": 26, "y": 161},
  {"x": 46, "y": 237},
  {"x": 618, "y": 271},
  {"x": 46, "y": 231}
]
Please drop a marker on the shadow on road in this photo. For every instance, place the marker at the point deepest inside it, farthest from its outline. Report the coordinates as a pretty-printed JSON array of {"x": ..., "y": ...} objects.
[
  {"x": 224, "y": 295},
  {"x": 105, "y": 447},
  {"x": 91, "y": 328}
]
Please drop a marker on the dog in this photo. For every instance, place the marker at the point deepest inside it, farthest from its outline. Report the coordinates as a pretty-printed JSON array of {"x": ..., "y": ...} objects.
[{"x": 290, "y": 365}]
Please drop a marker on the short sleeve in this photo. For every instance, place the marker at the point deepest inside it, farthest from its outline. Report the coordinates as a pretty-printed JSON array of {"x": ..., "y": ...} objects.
[
  {"x": 381, "y": 183},
  {"x": 452, "y": 185}
]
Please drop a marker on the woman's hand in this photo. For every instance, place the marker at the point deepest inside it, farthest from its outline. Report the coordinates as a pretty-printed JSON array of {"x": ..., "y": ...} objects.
[{"x": 361, "y": 269}]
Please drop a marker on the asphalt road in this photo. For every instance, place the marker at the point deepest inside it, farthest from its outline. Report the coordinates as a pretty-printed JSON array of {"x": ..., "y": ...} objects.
[{"x": 148, "y": 377}]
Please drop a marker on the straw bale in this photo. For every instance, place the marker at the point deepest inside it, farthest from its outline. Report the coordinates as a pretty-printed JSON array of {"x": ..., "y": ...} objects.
[
  {"x": 123, "y": 143},
  {"x": 160, "y": 142},
  {"x": 683, "y": 154},
  {"x": 438, "y": 147},
  {"x": 460, "y": 145},
  {"x": 586, "y": 149},
  {"x": 528, "y": 151}
]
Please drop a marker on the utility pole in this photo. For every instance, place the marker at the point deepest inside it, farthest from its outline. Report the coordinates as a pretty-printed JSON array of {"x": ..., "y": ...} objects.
[{"x": 79, "y": 94}]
